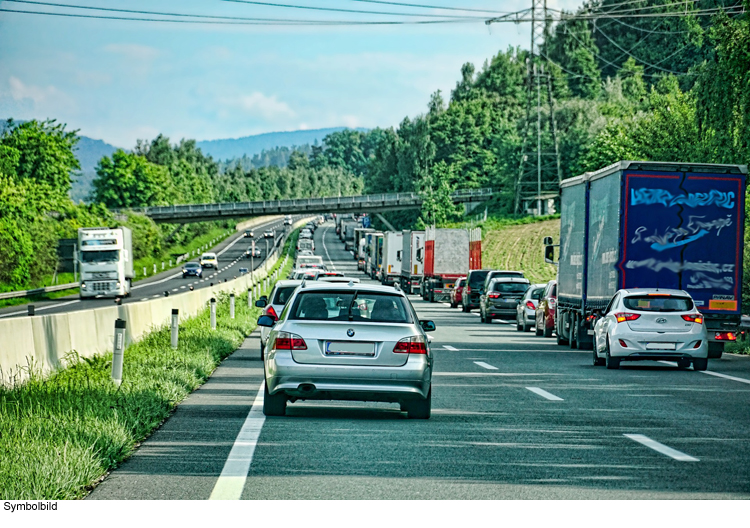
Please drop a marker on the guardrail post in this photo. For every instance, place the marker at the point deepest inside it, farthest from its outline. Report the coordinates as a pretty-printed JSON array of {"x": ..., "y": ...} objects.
[
  {"x": 231, "y": 306},
  {"x": 213, "y": 313},
  {"x": 249, "y": 297},
  {"x": 31, "y": 309},
  {"x": 170, "y": 263},
  {"x": 154, "y": 269},
  {"x": 175, "y": 326},
  {"x": 118, "y": 352},
  {"x": 162, "y": 266},
  {"x": 144, "y": 271}
]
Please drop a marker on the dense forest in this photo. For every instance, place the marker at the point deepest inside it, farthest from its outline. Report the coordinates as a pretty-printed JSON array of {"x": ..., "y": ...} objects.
[{"x": 670, "y": 86}]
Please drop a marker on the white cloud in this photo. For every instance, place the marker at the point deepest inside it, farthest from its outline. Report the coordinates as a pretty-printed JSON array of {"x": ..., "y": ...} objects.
[
  {"x": 258, "y": 104},
  {"x": 137, "y": 52},
  {"x": 38, "y": 101}
]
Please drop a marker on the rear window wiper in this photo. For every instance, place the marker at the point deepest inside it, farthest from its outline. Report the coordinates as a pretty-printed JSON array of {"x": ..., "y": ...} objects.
[{"x": 354, "y": 299}]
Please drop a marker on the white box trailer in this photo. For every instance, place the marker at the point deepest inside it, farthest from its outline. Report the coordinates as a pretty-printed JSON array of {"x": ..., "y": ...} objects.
[
  {"x": 412, "y": 260},
  {"x": 446, "y": 260},
  {"x": 390, "y": 271},
  {"x": 105, "y": 261}
]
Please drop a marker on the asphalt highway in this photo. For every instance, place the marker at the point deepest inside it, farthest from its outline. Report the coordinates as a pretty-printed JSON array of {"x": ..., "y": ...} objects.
[
  {"x": 230, "y": 255},
  {"x": 514, "y": 416}
]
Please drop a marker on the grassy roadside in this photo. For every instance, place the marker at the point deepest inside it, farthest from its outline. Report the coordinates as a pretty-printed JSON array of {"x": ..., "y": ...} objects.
[
  {"x": 59, "y": 435},
  {"x": 738, "y": 347}
]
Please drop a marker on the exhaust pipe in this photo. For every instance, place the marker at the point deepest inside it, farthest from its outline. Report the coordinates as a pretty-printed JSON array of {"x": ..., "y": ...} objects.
[{"x": 306, "y": 388}]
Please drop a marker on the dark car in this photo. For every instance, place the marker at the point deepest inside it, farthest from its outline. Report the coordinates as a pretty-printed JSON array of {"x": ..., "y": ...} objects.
[
  {"x": 545, "y": 310},
  {"x": 473, "y": 289},
  {"x": 457, "y": 292},
  {"x": 249, "y": 234},
  {"x": 498, "y": 274},
  {"x": 192, "y": 268},
  {"x": 501, "y": 298},
  {"x": 254, "y": 253}
]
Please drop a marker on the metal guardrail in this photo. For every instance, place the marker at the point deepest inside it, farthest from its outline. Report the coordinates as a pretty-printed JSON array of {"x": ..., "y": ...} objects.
[
  {"x": 343, "y": 203},
  {"x": 36, "y": 291}
]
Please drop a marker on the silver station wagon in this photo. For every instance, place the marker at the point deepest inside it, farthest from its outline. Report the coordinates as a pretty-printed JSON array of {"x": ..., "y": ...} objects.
[{"x": 348, "y": 342}]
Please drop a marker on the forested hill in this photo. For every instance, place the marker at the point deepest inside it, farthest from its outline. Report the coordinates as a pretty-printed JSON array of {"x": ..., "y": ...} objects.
[{"x": 227, "y": 149}]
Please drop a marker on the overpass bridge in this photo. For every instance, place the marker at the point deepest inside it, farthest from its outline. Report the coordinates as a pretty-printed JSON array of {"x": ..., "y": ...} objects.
[{"x": 368, "y": 203}]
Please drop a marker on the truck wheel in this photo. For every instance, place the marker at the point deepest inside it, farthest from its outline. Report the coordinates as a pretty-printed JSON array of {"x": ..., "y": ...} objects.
[
  {"x": 560, "y": 323},
  {"x": 573, "y": 340},
  {"x": 432, "y": 296},
  {"x": 273, "y": 405},
  {"x": 700, "y": 364},
  {"x": 262, "y": 351},
  {"x": 612, "y": 363},
  {"x": 715, "y": 349}
]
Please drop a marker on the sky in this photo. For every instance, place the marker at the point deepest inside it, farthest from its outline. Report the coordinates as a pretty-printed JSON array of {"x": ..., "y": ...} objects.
[{"x": 121, "y": 81}]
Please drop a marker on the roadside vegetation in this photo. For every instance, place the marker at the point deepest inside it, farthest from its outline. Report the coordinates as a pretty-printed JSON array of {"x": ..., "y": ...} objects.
[{"x": 61, "y": 434}]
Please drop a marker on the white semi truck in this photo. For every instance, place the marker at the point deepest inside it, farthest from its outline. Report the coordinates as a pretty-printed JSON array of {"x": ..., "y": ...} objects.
[
  {"x": 412, "y": 261},
  {"x": 105, "y": 261},
  {"x": 390, "y": 271}
]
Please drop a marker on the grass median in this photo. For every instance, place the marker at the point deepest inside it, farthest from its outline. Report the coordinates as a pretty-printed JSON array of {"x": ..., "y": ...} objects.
[{"x": 60, "y": 434}]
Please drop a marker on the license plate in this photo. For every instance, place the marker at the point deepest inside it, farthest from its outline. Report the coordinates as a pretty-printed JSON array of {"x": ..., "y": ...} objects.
[
  {"x": 660, "y": 346},
  {"x": 349, "y": 348}
]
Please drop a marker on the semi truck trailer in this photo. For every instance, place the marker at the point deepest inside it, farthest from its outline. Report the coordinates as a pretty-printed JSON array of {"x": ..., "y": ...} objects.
[
  {"x": 640, "y": 224},
  {"x": 446, "y": 258},
  {"x": 390, "y": 271},
  {"x": 412, "y": 261}
]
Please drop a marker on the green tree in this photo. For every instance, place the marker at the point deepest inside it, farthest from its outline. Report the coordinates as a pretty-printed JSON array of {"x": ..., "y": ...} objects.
[{"x": 130, "y": 180}]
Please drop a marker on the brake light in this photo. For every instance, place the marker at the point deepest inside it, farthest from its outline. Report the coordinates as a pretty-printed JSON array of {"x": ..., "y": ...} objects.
[
  {"x": 493, "y": 295},
  {"x": 694, "y": 318},
  {"x": 530, "y": 305},
  {"x": 624, "y": 316},
  {"x": 270, "y": 311},
  {"x": 468, "y": 289},
  {"x": 725, "y": 336},
  {"x": 411, "y": 345},
  {"x": 287, "y": 341},
  {"x": 552, "y": 302}
]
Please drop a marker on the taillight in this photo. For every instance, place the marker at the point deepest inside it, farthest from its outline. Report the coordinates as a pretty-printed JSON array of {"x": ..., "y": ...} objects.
[
  {"x": 725, "y": 336},
  {"x": 624, "y": 316},
  {"x": 287, "y": 341},
  {"x": 468, "y": 289},
  {"x": 493, "y": 295},
  {"x": 530, "y": 305},
  {"x": 411, "y": 345},
  {"x": 552, "y": 302},
  {"x": 270, "y": 311},
  {"x": 694, "y": 318}
]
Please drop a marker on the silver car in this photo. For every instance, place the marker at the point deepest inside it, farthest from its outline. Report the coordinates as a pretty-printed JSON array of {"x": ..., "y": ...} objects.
[
  {"x": 651, "y": 324},
  {"x": 279, "y": 296},
  {"x": 526, "y": 309},
  {"x": 348, "y": 342}
]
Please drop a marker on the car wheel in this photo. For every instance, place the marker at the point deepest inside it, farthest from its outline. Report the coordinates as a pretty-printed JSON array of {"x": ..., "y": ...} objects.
[
  {"x": 538, "y": 331},
  {"x": 547, "y": 331},
  {"x": 420, "y": 409},
  {"x": 700, "y": 364},
  {"x": 273, "y": 405},
  {"x": 262, "y": 351},
  {"x": 598, "y": 362},
  {"x": 432, "y": 296},
  {"x": 453, "y": 305},
  {"x": 464, "y": 308},
  {"x": 682, "y": 364},
  {"x": 519, "y": 325},
  {"x": 612, "y": 362},
  {"x": 488, "y": 319}
]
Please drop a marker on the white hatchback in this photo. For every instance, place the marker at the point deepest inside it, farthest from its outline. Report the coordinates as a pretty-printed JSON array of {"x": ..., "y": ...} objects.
[{"x": 651, "y": 324}]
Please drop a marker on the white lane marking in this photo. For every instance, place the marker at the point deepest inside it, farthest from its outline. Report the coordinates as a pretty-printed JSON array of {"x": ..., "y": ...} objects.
[
  {"x": 326, "y": 248},
  {"x": 472, "y": 313},
  {"x": 710, "y": 373},
  {"x": 544, "y": 394},
  {"x": 144, "y": 284},
  {"x": 661, "y": 448},
  {"x": 231, "y": 482},
  {"x": 448, "y": 347},
  {"x": 220, "y": 253},
  {"x": 485, "y": 365},
  {"x": 183, "y": 287},
  {"x": 175, "y": 289},
  {"x": 41, "y": 308}
]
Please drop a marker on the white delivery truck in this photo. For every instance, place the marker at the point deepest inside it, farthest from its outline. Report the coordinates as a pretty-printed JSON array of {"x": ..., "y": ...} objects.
[
  {"x": 105, "y": 261},
  {"x": 390, "y": 271},
  {"x": 412, "y": 261}
]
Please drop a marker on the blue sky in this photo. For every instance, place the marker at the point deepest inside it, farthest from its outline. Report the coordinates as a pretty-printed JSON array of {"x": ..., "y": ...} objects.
[{"x": 120, "y": 81}]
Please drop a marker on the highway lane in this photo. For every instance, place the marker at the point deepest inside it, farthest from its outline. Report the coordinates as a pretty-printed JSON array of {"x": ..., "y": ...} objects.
[
  {"x": 514, "y": 417},
  {"x": 230, "y": 252}
]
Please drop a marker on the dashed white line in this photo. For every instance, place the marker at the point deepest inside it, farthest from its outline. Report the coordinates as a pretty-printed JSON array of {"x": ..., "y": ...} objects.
[
  {"x": 485, "y": 365},
  {"x": 448, "y": 347},
  {"x": 544, "y": 394},
  {"x": 661, "y": 448},
  {"x": 231, "y": 482},
  {"x": 175, "y": 289}
]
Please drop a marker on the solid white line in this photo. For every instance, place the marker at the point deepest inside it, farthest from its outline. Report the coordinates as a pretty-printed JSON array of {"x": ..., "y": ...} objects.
[
  {"x": 661, "y": 448},
  {"x": 485, "y": 365},
  {"x": 231, "y": 482},
  {"x": 448, "y": 347},
  {"x": 544, "y": 394},
  {"x": 40, "y": 309},
  {"x": 710, "y": 373},
  {"x": 144, "y": 284},
  {"x": 326, "y": 248}
]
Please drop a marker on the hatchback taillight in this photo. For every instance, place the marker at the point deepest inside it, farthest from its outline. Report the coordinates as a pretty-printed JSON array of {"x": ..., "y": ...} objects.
[
  {"x": 624, "y": 316},
  {"x": 530, "y": 305},
  {"x": 287, "y": 341},
  {"x": 694, "y": 318},
  {"x": 270, "y": 311},
  {"x": 552, "y": 302},
  {"x": 493, "y": 295},
  {"x": 411, "y": 345}
]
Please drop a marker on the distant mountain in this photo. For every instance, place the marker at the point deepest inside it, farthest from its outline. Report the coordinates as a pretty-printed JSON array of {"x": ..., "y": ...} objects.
[{"x": 227, "y": 149}]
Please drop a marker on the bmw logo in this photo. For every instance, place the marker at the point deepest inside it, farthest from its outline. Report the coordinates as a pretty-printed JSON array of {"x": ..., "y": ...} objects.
[{"x": 350, "y": 332}]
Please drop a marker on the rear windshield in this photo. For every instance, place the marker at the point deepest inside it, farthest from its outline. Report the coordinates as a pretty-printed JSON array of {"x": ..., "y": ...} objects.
[
  {"x": 283, "y": 294},
  {"x": 503, "y": 274},
  {"x": 355, "y": 306},
  {"x": 476, "y": 278},
  {"x": 510, "y": 287},
  {"x": 537, "y": 293},
  {"x": 192, "y": 265},
  {"x": 652, "y": 303}
]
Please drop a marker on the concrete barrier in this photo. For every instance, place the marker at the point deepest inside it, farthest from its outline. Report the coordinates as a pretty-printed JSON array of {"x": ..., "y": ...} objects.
[{"x": 41, "y": 343}]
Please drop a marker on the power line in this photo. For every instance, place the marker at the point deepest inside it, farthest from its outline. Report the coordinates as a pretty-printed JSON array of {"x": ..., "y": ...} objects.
[
  {"x": 343, "y": 10},
  {"x": 403, "y": 4},
  {"x": 636, "y": 58}
]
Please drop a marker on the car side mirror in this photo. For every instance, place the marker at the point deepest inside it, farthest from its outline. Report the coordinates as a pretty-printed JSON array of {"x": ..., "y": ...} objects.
[
  {"x": 266, "y": 320},
  {"x": 427, "y": 326},
  {"x": 261, "y": 303}
]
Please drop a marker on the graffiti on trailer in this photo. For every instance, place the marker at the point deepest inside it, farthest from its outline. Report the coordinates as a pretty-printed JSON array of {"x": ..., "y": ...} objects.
[
  {"x": 700, "y": 281},
  {"x": 677, "y": 267},
  {"x": 646, "y": 196},
  {"x": 673, "y": 237}
]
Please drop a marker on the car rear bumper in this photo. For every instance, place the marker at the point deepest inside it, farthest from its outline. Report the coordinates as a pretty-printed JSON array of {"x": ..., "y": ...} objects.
[
  {"x": 347, "y": 382},
  {"x": 637, "y": 350}
]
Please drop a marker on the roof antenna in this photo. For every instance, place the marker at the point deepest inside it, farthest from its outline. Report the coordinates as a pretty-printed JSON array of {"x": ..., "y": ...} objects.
[{"x": 303, "y": 282}]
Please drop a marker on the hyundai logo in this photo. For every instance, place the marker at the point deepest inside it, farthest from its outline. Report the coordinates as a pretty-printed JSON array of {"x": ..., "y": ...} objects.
[
  {"x": 350, "y": 332},
  {"x": 661, "y": 320}
]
